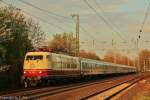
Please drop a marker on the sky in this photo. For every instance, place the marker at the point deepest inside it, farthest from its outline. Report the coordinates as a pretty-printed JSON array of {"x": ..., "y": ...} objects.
[{"x": 100, "y": 20}]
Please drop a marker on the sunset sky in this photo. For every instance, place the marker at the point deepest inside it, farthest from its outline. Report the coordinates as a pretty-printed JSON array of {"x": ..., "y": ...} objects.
[{"x": 117, "y": 20}]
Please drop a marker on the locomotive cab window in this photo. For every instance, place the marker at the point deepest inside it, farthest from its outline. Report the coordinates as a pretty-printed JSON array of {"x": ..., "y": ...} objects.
[{"x": 34, "y": 57}]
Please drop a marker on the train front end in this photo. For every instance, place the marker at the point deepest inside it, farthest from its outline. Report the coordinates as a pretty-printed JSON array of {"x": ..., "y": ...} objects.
[{"x": 36, "y": 67}]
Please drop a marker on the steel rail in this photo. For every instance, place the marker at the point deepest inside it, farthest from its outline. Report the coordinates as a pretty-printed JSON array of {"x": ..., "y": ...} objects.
[{"x": 131, "y": 81}]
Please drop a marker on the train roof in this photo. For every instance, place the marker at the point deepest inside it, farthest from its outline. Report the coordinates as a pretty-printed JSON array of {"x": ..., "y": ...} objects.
[
  {"x": 37, "y": 53},
  {"x": 106, "y": 63},
  {"x": 62, "y": 55},
  {"x": 83, "y": 59},
  {"x": 48, "y": 53}
]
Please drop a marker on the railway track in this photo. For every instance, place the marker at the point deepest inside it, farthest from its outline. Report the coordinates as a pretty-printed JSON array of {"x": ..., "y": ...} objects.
[
  {"x": 85, "y": 92},
  {"x": 53, "y": 91},
  {"x": 6, "y": 92},
  {"x": 112, "y": 92},
  {"x": 33, "y": 89}
]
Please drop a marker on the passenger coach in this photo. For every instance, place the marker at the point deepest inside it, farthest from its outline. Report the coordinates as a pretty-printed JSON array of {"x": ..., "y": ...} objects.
[{"x": 40, "y": 67}]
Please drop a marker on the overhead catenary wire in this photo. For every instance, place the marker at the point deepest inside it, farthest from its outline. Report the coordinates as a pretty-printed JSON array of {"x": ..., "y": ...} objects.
[
  {"x": 102, "y": 10},
  {"x": 43, "y": 10},
  {"x": 45, "y": 21},
  {"x": 104, "y": 20},
  {"x": 85, "y": 31},
  {"x": 142, "y": 26},
  {"x": 51, "y": 13},
  {"x": 91, "y": 36},
  {"x": 145, "y": 17}
]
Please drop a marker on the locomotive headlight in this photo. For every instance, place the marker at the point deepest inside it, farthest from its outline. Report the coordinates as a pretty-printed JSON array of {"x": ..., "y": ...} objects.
[
  {"x": 40, "y": 72},
  {"x": 24, "y": 72}
]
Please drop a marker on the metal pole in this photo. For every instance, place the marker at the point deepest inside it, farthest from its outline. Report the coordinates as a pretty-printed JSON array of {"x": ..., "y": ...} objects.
[
  {"x": 144, "y": 65},
  {"x": 93, "y": 43},
  {"x": 113, "y": 46},
  {"x": 77, "y": 34},
  {"x": 128, "y": 58},
  {"x": 139, "y": 68},
  {"x": 134, "y": 63},
  {"x": 128, "y": 62},
  {"x": 78, "y": 43},
  {"x": 148, "y": 64}
]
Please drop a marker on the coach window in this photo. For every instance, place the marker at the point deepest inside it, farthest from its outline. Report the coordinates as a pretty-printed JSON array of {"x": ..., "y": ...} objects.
[
  {"x": 74, "y": 63},
  {"x": 83, "y": 64},
  {"x": 68, "y": 65},
  {"x": 48, "y": 57},
  {"x": 63, "y": 62}
]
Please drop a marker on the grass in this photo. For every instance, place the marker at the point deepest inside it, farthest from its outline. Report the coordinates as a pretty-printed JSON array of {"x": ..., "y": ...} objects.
[{"x": 144, "y": 97}]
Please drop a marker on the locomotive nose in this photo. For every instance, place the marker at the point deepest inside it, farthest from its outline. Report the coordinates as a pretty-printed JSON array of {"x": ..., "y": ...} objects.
[{"x": 35, "y": 73}]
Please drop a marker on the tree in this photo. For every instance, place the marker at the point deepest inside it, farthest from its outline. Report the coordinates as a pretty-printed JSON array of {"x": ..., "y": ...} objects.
[
  {"x": 36, "y": 35},
  {"x": 109, "y": 56},
  {"x": 18, "y": 35},
  {"x": 118, "y": 58},
  {"x": 63, "y": 43},
  {"x": 144, "y": 58},
  {"x": 89, "y": 55},
  {"x": 2, "y": 55}
]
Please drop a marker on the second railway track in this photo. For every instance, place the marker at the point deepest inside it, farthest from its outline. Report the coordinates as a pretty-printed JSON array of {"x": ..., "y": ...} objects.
[{"x": 112, "y": 92}]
